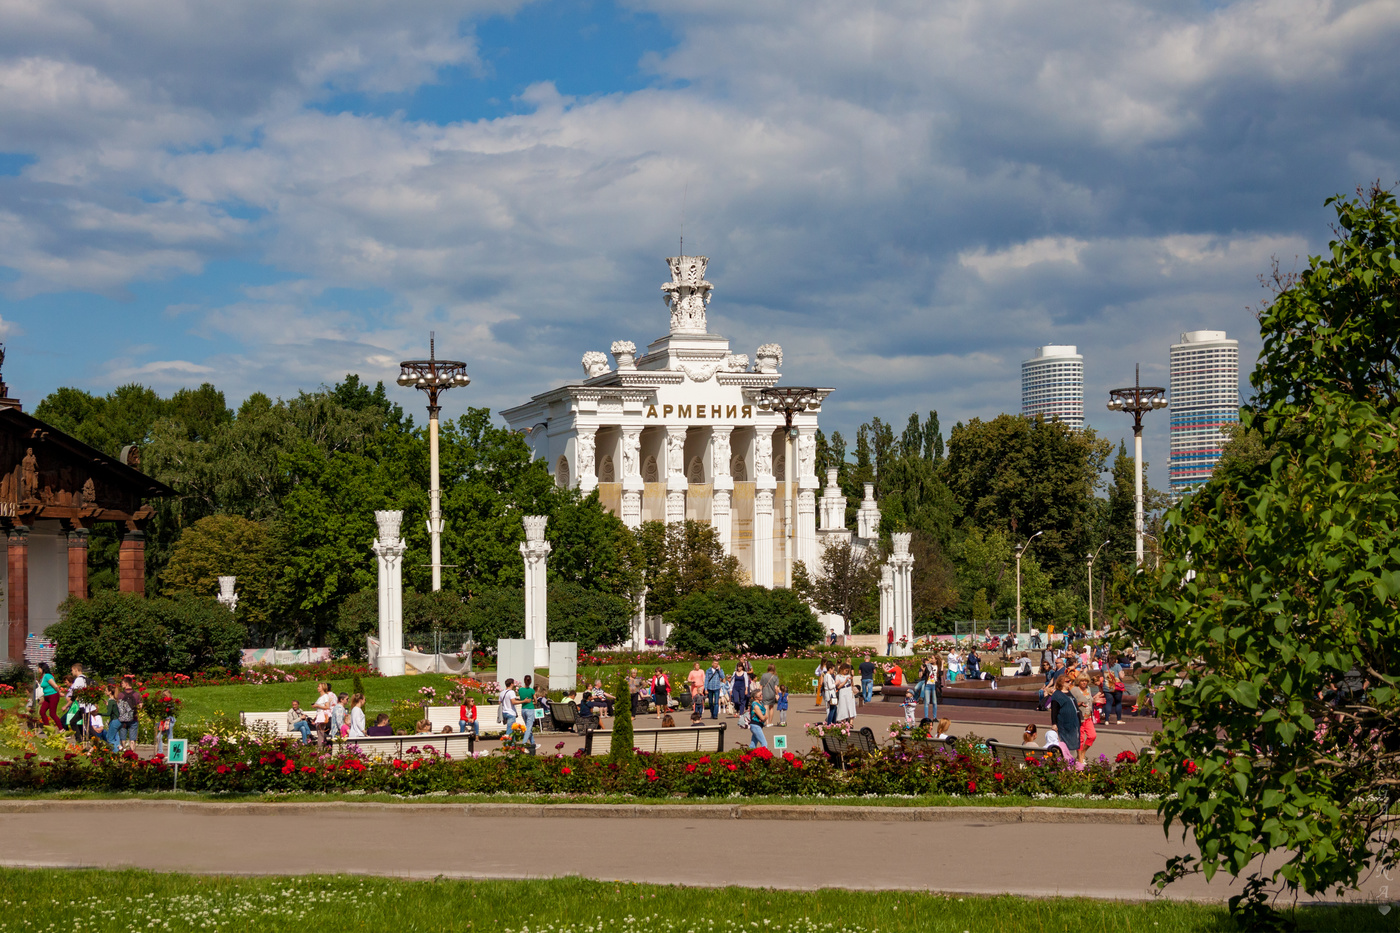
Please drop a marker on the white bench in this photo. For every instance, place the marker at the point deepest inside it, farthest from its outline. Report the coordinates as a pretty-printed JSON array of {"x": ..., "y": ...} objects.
[
  {"x": 456, "y": 745},
  {"x": 487, "y": 717},
  {"x": 679, "y": 739},
  {"x": 277, "y": 722}
]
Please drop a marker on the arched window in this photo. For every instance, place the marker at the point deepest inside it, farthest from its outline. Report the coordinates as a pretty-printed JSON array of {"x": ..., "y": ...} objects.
[
  {"x": 737, "y": 469},
  {"x": 696, "y": 473}
]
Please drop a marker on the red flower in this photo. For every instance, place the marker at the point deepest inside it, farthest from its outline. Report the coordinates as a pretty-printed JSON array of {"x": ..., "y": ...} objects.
[
  {"x": 29, "y": 755},
  {"x": 788, "y": 756},
  {"x": 705, "y": 759},
  {"x": 731, "y": 766},
  {"x": 746, "y": 758},
  {"x": 651, "y": 774},
  {"x": 1190, "y": 766},
  {"x": 288, "y": 768},
  {"x": 1154, "y": 770},
  {"x": 997, "y": 775},
  {"x": 222, "y": 769},
  {"x": 764, "y": 753},
  {"x": 240, "y": 767},
  {"x": 690, "y": 768},
  {"x": 308, "y": 769},
  {"x": 797, "y": 763},
  {"x": 264, "y": 760},
  {"x": 972, "y": 787},
  {"x": 1125, "y": 757},
  {"x": 566, "y": 771}
]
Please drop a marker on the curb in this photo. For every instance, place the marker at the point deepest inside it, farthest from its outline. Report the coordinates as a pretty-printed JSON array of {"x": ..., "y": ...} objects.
[{"x": 834, "y": 813}]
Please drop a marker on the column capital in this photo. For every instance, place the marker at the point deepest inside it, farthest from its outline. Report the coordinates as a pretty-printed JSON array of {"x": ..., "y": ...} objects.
[{"x": 78, "y": 538}]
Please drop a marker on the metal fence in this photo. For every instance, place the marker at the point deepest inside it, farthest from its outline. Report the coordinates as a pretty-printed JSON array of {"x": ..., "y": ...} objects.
[
  {"x": 998, "y": 626},
  {"x": 439, "y": 642}
]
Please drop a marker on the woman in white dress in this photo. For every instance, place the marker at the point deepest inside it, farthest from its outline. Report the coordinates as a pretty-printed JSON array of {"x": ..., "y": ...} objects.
[
  {"x": 357, "y": 717},
  {"x": 845, "y": 694}
]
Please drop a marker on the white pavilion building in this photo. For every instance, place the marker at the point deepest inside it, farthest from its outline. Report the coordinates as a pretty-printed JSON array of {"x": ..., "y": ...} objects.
[{"x": 676, "y": 434}]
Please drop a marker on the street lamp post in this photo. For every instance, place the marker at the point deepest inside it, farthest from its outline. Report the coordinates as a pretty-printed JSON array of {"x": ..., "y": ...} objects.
[
  {"x": 1020, "y": 552},
  {"x": 1092, "y": 558},
  {"x": 1137, "y": 400},
  {"x": 790, "y": 400},
  {"x": 434, "y": 376}
]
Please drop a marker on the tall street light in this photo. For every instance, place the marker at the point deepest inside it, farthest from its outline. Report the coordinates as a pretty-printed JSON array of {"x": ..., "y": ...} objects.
[
  {"x": 1137, "y": 400},
  {"x": 790, "y": 400},
  {"x": 434, "y": 376},
  {"x": 1020, "y": 552},
  {"x": 1093, "y": 557}
]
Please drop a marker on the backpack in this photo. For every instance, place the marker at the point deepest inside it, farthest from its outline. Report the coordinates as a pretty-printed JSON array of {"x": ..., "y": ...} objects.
[{"x": 125, "y": 711}]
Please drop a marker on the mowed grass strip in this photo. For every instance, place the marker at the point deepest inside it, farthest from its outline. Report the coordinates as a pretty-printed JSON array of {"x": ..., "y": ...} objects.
[{"x": 118, "y": 902}]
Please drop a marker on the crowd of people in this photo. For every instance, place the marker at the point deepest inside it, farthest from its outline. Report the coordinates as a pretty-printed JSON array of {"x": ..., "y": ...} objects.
[{"x": 113, "y": 716}]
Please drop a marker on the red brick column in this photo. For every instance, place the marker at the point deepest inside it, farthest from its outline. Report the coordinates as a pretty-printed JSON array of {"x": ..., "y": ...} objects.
[
  {"x": 78, "y": 563},
  {"x": 18, "y": 589},
  {"x": 131, "y": 563}
]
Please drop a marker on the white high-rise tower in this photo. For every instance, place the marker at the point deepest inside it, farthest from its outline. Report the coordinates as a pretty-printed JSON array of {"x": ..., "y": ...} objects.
[
  {"x": 1205, "y": 397},
  {"x": 1052, "y": 384}
]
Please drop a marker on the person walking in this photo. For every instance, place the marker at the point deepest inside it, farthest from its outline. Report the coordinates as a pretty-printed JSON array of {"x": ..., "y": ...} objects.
[
  {"x": 1113, "y": 691},
  {"x": 507, "y": 704},
  {"x": 661, "y": 692},
  {"x": 845, "y": 694},
  {"x": 526, "y": 696},
  {"x": 768, "y": 687},
  {"x": 357, "y": 717},
  {"x": 889, "y": 642},
  {"x": 1065, "y": 716},
  {"x": 758, "y": 711},
  {"x": 739, "y": 691},
  {"x": 322, "y": 718},
  {"x": 828, "y": 691},
  {"x": 928, "y": 683},
  {"x": 867, "y": 679},
  {"x": 110, "y": 734},
  {"x": 49, "y": 691},
  {"x": 819, "y": 683},
  {"x": 715, "y": 679},
  {"x": 695, "y": 680},
  {"x": 1084, "y": 704}
]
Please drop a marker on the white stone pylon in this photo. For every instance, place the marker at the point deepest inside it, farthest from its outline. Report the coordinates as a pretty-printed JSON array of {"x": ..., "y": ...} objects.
[
  {"x": 389, "y": 548},
  {"x": 886, "y": 599},
  {"x": 901, "y": 566},
  {"x": 536, "y": 550},
  {"x": 227, "y": 597}
]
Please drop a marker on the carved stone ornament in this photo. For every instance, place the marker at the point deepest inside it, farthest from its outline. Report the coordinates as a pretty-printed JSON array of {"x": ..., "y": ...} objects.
[
  {"x": 631, "y": 452},
  {"x": 738, "y": 470},
  {"x": 770, "y": 358},
  {"x": 736, "y": 363},
  {"x": 595, "y": 363},
  {"x": 696, "y": 473},
  {"x": 806, "y": 455},
  {"x": 687, "y": 294},
  {"x": 625, "y": 353},
  {"x": 780, "y": 466},
  {"x": 89, "y": 494},
  {"x": 649, "y": 471},
  {"x": 900, "y": 541},
  {"x": 701, "y": 373},
  {"x": 675, "y": 454},
  {"x": 29, "y": 477},
  {"x": 561, "y": 472},
  {"x": 720, "y": 456},
  {"x": 585, "y": 445},
  {"x": 607, "y": 473},
  {"x": 389, "y": 523},
  {"x": 534, "y": 528},
  {"x": 763, "y": 455}
]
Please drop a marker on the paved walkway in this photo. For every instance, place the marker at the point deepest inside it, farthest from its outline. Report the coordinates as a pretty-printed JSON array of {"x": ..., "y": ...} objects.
[{"x": 974, "y": 850}]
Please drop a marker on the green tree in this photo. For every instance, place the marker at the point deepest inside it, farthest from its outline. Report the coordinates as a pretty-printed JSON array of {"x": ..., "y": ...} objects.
[
  {"x": 120, "y": 633},
  {"x": 725, "y": 617},
  {"x": 622, "y": 750},
  {"x": 845, "y": 584},
  {"x": 682, "y": 558},
  {"x": 1278, "y": 593},
  {"x": 1027, "y": 475},
  {"x": 219, "y": 545}
]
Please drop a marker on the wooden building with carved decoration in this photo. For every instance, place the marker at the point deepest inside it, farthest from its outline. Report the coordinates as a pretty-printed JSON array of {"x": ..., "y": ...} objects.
[{"x": 53, "y": 489}]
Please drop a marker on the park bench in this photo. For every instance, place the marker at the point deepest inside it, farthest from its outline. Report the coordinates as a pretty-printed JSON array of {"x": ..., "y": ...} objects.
[
  {"x": 487, "y": 717},
  {"x": 277, "y": 722},
  {"x": 1018, "y": 755},
  {"x": 564, "y": 717},
  {"x": 679, "y": 739},
  {"x": 912, "y": 746},
  {"x": 840, "y": 747},
  {"x": 456, "y": 745}
]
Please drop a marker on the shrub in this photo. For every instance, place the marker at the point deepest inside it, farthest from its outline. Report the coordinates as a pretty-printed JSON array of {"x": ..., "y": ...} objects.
[
  {"x": 767, "y": 621},
  {"x": 622, "y": 750},
  {"x": 116, "y": 633}
]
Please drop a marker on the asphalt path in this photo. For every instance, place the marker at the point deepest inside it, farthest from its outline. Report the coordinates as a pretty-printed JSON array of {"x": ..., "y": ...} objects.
[{"x": 976, "y": 851}]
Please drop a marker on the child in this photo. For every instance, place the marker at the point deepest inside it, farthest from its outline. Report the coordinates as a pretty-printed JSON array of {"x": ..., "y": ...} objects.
[
  {"x": 466, "y": 716},
  {"x": 782, "y": 705},
  {"x": 697, "y": 718},
  {"x": 909, "y": 706},
  {"x": 338, "y": 726},
  {"x": 697, "y": 703}
]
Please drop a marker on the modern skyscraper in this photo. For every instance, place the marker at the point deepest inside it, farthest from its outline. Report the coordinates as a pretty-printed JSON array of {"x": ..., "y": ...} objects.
[
  {"x": 1205, "y": 397},
  {"x": 1052, "y": 384}
]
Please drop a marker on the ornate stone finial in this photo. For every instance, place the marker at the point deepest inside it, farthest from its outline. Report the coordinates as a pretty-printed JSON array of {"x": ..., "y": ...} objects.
[
  {"x": 625, "y": 353},
  {"x": 900, "y": 540},
  {"x": 831, "y": 484},
  {"x": 687, "y": 294},
  {"x": 595, "y": 363},
  {"x": 736, "y": 363},
  {"x": 869, "y": 499},
  {"x": 389, "y": 523},
  {"x": 227, "y": 597},
  {"x": 770, "y": 358},
  {"x": 534, "y": 528}
]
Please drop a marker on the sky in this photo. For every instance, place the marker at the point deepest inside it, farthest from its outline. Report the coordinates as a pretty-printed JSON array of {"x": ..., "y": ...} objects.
[{"x": 909, "y": 197}]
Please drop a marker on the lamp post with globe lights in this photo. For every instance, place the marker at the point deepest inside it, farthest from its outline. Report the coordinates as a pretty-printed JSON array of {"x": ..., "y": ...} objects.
[
  {"x": 790, "y": 400},
  {"x": 434, "y": 376},
  {"x": 1093, "y": 557},
  {"x": 1137, "y": 400}
]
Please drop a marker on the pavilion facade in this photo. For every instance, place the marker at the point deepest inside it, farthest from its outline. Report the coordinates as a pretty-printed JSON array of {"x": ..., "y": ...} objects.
[{"x": 676, "y": 433}]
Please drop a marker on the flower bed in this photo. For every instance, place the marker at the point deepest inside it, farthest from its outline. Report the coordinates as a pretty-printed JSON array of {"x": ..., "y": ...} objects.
[
  {"x": 262, "y": 674},
  {"x": 251, "y": 765}
]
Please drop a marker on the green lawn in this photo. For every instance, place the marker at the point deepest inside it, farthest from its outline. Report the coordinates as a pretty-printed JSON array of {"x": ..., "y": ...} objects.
[{"x": 33, "y": 900}]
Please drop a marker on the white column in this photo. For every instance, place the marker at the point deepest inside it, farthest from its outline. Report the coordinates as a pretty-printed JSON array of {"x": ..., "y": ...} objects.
[
  {"x": 389, "y": 548},
  {"x": 632, "y": 477},
  {"x": 721, "y": 516},
  {"x": 535, "y": 550},
  {"x": 806, "y": 533},
  {"x": 902, "y": 597},
  {"x": 765, "y": 486},
  {"x": 434, "y": 497},
  {"x": 833, "y": 504},
  {"x": 886, "y": 600},
  {"x": 868, "y": 518},
  {"x": 227, "y": 597},
  {"x": 676, "y": 483},
  {"x": 585, "y": 449}
]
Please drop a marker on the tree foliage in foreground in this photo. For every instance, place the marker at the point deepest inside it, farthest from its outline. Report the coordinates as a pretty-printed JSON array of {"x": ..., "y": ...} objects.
[
  {"x": 1281, "y": 583},
  {"x": 763, "y": 620}
]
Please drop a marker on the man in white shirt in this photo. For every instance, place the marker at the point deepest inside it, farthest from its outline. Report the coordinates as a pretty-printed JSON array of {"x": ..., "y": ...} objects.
[{"x": 508, "y": 698}]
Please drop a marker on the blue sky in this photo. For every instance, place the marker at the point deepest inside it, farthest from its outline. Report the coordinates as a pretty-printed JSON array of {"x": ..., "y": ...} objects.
[{"x": 908, "y": 196}]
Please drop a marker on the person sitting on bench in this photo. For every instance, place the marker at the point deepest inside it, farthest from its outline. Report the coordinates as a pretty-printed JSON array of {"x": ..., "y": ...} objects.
[{"x": 381, "y": 725}]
